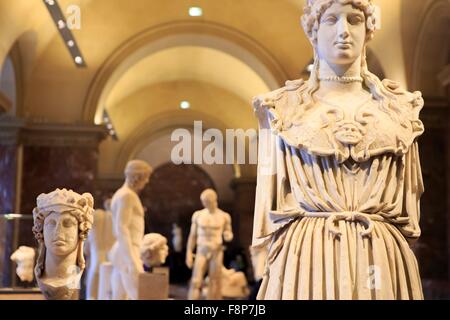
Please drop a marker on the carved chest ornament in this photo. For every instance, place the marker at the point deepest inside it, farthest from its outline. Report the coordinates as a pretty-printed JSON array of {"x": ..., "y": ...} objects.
[{"x": 357, "y": 131}]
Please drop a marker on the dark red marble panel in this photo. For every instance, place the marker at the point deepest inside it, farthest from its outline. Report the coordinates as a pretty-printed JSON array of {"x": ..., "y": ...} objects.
[
  {"x": 172, "y": 195},
  {"x": 8, "y": 156},
  {"x": 48, "y": 168}
]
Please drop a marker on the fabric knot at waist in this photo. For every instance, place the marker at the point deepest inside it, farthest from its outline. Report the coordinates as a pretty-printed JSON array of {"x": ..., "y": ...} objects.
[{"x": 332, "y": 218}]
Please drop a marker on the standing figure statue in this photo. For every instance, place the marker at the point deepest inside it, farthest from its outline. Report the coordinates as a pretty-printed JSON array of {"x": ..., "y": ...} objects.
[
  {"x": 177, "y": 238},
  {"x": 339, "y": 178},
  {"x": 209, "y": 228},
  {"x": 128, "y": 227},
  {"x": 98, "y": 244},
  {"x": 62, "y": 220}
]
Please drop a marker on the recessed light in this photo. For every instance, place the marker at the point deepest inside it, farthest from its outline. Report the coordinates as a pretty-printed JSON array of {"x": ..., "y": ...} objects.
[
  {"x": 310, "y": 67},
  {"x": 185, "y": 105},
  {"x": 78, "y": 60},
  {"x": 195, "y": 11},
  {"x": 70, "y": 43},
  {"x": 50, "y": 2}
]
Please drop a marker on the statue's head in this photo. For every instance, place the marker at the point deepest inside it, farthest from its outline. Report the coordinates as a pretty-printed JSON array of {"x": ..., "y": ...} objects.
[
  {"x": 339, "y": 29},
  {"x": 137, "y": 174},
  {"x": 62, "y": 220},
  {"x": 154, "y": 250},
  {"x": 24, "y": 258},
  {"x": 209, "y": 199}
]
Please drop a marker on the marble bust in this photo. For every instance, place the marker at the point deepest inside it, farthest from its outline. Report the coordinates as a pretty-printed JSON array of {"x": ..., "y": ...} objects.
[
  {"x": 24, "y": 258},
  {"x": 128, "y": 227},
  {"x": 154, "y": 250},
  {"x": 209, "y": 228},
  {"x": 62, "y": 220},
  {"x": 339, "y": 179}
]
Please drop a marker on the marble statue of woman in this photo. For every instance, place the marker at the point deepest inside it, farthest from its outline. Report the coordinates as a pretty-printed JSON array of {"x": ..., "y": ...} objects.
[
  {"x": 62, "y": 220},
  {"x": 339, "y": 178}
]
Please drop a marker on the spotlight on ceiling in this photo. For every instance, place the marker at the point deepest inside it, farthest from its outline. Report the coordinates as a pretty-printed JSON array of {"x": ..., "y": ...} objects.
[
  {"x": 66, "y": 34},
  {"x": 109, "y": 125},
  {"x": 78, "y": 60},
  {"x": 195, "y": 11},
  {"x": 185, "y": 105}
]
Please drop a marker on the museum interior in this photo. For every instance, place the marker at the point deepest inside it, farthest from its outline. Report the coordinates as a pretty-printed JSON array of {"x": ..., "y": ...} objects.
[{"x": 86, "y": 86}]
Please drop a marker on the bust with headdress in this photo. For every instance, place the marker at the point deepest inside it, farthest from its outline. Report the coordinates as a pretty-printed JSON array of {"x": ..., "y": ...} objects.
[{"x": 62, "y": 220}]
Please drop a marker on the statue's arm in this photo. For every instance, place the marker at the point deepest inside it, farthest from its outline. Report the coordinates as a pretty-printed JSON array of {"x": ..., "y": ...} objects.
[
  {"x": 192, "y": 234},
  {"x": 191, "y": 243},
  {"x": 122, "y": 216},
  {"x": 267, "y": 172},
  {"x": 228, "y": 230}
]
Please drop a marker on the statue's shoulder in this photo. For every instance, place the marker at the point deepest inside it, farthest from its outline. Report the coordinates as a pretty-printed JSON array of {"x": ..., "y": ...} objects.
[
  {"x": 281, "y": 107},
  {"x": 225, "y": 215},
  {"x": 124, "y": 194},
  {"x": 196, "y": 215},
  {"x": 275, "y": 98},
  {"x": 411, "y": 102}
]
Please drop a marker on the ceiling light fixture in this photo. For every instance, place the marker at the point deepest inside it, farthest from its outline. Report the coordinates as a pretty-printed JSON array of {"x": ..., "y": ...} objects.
[
  {"x": 185, "y": 105},
  {"x": 195, "y": 11},
  {"x": 109, "y": 125},
  {"x": 66, "y": 34},
  {"x": 78, "y": 60}
]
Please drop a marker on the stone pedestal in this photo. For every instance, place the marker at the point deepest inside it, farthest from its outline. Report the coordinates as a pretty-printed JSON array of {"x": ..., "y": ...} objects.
[{"x": 154, "y": 285}]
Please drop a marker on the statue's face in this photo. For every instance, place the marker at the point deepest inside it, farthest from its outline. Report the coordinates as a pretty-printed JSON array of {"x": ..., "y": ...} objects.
[
  {"x": 341, "y": 35},
  {"x": 142, "y": 182},
  {"x": 210, "y": 201},
  {"x": 60, "y": 233}
]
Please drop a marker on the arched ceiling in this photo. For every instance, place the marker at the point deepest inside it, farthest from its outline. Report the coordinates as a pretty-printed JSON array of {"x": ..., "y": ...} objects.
[
  {"x": 189, "y": 63},
  {"x": 263, "y": 45},
  {"x": 143, "y": 115},
  {"x": 107, "y": 24}
]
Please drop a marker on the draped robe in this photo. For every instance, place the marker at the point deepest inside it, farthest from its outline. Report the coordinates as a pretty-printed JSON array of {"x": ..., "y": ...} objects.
[{"x": 338, "y": 197}]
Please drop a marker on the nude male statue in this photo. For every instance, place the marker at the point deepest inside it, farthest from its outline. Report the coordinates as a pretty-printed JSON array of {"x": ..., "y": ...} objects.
[
  {"x": 210, "y": 226},
  {"x": 128, "y": 227}
]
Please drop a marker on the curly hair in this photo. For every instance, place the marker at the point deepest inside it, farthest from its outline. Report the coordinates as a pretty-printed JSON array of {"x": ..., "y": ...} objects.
[{"x": 85, "y": 220}]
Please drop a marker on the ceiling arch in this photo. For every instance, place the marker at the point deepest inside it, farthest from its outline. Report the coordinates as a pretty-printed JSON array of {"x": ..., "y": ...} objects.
[
  {"x": 190, "y": 63},
  {"x": 179, "y": 34}
]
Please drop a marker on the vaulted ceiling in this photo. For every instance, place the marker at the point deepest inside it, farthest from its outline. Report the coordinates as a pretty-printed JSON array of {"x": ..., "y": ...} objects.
[{"x": 143, "y": 57}]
